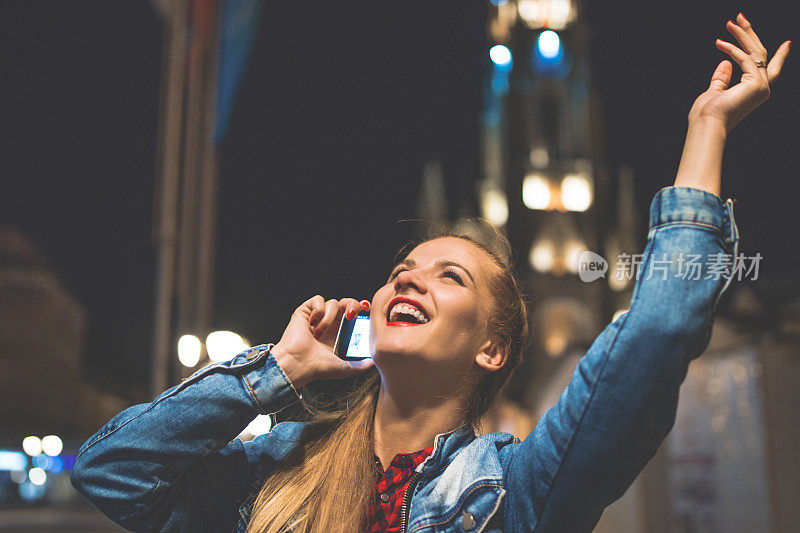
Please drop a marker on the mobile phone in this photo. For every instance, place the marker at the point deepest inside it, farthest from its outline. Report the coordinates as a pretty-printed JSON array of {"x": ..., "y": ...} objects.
[{"x": 352, "y": 343}]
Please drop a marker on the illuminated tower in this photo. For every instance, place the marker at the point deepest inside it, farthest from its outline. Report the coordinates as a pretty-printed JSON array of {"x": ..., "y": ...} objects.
[{"x": 544, "y": 180}]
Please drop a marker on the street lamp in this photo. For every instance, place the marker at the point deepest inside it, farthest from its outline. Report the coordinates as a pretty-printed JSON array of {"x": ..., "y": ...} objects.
[
  {"x": 224, "y": 345},
  {"x": 52, "y": 445},
  {"x": 189, "y": 349},
  {"x": 32, "y": 445},
  {"x": 576, "y": 193}
]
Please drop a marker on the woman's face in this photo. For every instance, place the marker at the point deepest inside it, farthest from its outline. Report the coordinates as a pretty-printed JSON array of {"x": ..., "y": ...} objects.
[{"x": 434, "y": 306}]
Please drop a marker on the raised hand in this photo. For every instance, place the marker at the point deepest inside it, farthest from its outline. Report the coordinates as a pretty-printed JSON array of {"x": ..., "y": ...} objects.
[
  {"x": 730, "y": 104},
  {"x": 716, "y": 111},
  {"x": 305, "y": 351}
]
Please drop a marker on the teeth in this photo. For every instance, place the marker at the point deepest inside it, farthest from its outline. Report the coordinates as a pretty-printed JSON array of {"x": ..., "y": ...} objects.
[{"x": 407, "y": 309}]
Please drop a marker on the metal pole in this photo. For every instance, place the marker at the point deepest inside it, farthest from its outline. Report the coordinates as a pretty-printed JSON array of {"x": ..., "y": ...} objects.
[
  {"x": 165, "y": 229},
  {"x": 208, "y": 197}
]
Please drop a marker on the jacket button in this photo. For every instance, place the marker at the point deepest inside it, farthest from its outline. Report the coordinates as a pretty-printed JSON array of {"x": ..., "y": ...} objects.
[
  {"x": 384, "y": 497},
  {"x": 467, "y": 521},
  {"x": 252, "y": 354}
]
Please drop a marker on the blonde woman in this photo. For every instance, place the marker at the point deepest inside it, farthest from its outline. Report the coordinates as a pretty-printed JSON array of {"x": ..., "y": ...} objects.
[{"x": 447, "y": 329}]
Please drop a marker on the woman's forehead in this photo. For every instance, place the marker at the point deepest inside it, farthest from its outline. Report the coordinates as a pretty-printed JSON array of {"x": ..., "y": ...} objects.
[{"x": 451, "y": 249}]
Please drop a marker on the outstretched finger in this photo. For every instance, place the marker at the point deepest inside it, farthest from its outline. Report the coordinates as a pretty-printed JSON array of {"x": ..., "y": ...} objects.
[
  {"x": 746, "y": 40},
  {"x": 745, "y": 61},
  {"x": 776, "y": 63},
  {"x": 749, "y": 45},
  {"x": 748, "y": 28}
]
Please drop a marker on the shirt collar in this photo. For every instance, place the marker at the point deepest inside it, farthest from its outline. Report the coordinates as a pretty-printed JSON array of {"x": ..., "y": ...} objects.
[
  {"x": 407, "y": 460},
  {"x": 429, "y": 459}
]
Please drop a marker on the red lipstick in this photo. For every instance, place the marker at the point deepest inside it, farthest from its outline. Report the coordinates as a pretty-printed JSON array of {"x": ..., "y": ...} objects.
[{"x": 403, "y": 299}]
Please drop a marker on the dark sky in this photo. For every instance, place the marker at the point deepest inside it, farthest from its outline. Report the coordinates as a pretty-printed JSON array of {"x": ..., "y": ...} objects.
[{"x": 340, "y": 107}]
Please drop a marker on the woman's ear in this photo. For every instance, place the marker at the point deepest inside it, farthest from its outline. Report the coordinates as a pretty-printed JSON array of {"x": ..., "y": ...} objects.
[{"x": 493, "y": 355}]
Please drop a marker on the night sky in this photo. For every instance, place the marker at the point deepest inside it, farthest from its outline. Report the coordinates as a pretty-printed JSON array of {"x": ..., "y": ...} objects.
[{"x": 340, "y": 108}]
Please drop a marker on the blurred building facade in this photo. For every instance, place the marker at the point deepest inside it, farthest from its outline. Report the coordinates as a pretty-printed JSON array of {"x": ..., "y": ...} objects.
[{"x": 43, "y": 388}]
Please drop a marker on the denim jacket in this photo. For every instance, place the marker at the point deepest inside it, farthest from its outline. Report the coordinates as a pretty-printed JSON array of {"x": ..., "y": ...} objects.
[{"x": 175, "y": 465}]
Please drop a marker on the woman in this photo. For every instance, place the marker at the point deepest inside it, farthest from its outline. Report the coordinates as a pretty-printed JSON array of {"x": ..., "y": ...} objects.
[{"x": 448, "y": 327}]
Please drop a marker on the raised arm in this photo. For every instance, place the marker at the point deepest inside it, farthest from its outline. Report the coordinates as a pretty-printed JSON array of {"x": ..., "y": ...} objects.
[{"x": 621, "y": 402}]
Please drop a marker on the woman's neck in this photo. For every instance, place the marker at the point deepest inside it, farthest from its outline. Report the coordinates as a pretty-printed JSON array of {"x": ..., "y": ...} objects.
[{"x": 407, "y": 419}]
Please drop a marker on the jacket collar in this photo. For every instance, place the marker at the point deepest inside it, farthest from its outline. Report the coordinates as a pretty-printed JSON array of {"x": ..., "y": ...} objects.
[{"x": 444, "y": 447}]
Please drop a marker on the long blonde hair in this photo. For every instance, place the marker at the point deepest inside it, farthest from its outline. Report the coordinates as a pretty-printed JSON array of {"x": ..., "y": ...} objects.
[{"x": 326, "y": 482}]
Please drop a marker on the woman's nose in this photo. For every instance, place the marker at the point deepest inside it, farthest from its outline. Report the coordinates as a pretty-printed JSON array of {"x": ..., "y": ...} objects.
[{"x": 411, "y": 278}]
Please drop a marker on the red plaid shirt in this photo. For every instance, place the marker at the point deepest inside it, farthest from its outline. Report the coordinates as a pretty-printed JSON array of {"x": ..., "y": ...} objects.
[{"x": 387, "y": 495}]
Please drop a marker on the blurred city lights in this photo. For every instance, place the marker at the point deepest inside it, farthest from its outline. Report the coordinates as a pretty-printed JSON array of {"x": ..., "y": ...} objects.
[
  {"x": 224, "y": 345},
  {"x": 67, "y": 461},
  {"x": 189, "y": 349},
  {"x": 555, "y": 344},
  {"x": 617, "y": 282},
  {"x": 37, "y": 476},
  {"x": 52, "y": 445},
  {"x": 532, "y": 12},
  {"x": 499, "y": 82},
  {"x": 549, "y": 44},
  {"x": 540, "y": 157},
  {"x": 56, "y": 465},
  {"x": 542, "y": 256},
  {"x": 31, "y": 492},
  {"x": 572, "y": 254},
  {"x": 498, "y": 2},
  {"x": 19, "y": 476},
  {"x": 560, "y": 14},
  {"x": 32, "y": 445},
  {"x": 554, "y": 14},
  {"x": 500, "y": 55},
  {"x": 11, "y": 461},
  {"x": 494, "y": 207},
  {"x": 576, "y": 193},
  {"x": 536, "y": 192},
  {"x": 507, "y": 14}
]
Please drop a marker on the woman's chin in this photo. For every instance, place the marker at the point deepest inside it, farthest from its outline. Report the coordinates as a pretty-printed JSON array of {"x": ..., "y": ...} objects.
[{"x": 394, "y": 351}]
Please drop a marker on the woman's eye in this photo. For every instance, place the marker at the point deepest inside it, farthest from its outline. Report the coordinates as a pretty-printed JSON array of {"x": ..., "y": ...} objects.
[
  {"x": 454, "y": 276},
  {"x": 396, "y": 273}
]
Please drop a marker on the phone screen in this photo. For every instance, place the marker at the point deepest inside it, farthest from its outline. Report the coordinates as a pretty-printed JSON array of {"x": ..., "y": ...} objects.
[{"x": 353, "y": 340}]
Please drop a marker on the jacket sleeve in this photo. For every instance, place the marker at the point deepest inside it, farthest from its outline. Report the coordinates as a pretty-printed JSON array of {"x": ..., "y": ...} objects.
[
  {"x": 622, "y": 398},
  {"x": 170, "y": 465}
]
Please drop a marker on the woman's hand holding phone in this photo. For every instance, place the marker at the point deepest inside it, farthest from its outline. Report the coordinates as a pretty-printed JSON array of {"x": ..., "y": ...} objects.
[{"x": 305, "y": 351}]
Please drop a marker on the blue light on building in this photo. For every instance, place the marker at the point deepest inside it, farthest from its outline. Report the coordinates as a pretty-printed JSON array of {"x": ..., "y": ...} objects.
[
  {"x": 501, "y": 57},
  {"x": 549, "y": 57}
]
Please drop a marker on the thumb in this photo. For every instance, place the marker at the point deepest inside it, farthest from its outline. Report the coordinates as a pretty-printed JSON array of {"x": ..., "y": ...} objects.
[{"x": 722, "y": 76}]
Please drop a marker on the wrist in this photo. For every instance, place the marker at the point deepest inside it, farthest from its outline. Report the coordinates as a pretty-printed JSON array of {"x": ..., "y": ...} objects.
[
  {"x": 289, "y": 365},
  {"x": 711, "y": 127},
  {"x": 701, "y": 161}
]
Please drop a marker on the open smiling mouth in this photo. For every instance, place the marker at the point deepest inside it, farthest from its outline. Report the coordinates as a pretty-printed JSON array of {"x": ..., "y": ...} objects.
[{"x": 404, "y": 312}]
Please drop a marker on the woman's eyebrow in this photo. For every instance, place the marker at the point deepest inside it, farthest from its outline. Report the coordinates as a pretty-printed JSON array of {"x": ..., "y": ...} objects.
[
  {"x": 442, "y": 263},
  {"x": 410, "y": 263}
]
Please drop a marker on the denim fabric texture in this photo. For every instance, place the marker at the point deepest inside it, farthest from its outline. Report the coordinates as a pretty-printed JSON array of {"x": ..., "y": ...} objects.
[{"x": 173, "y": 464}]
